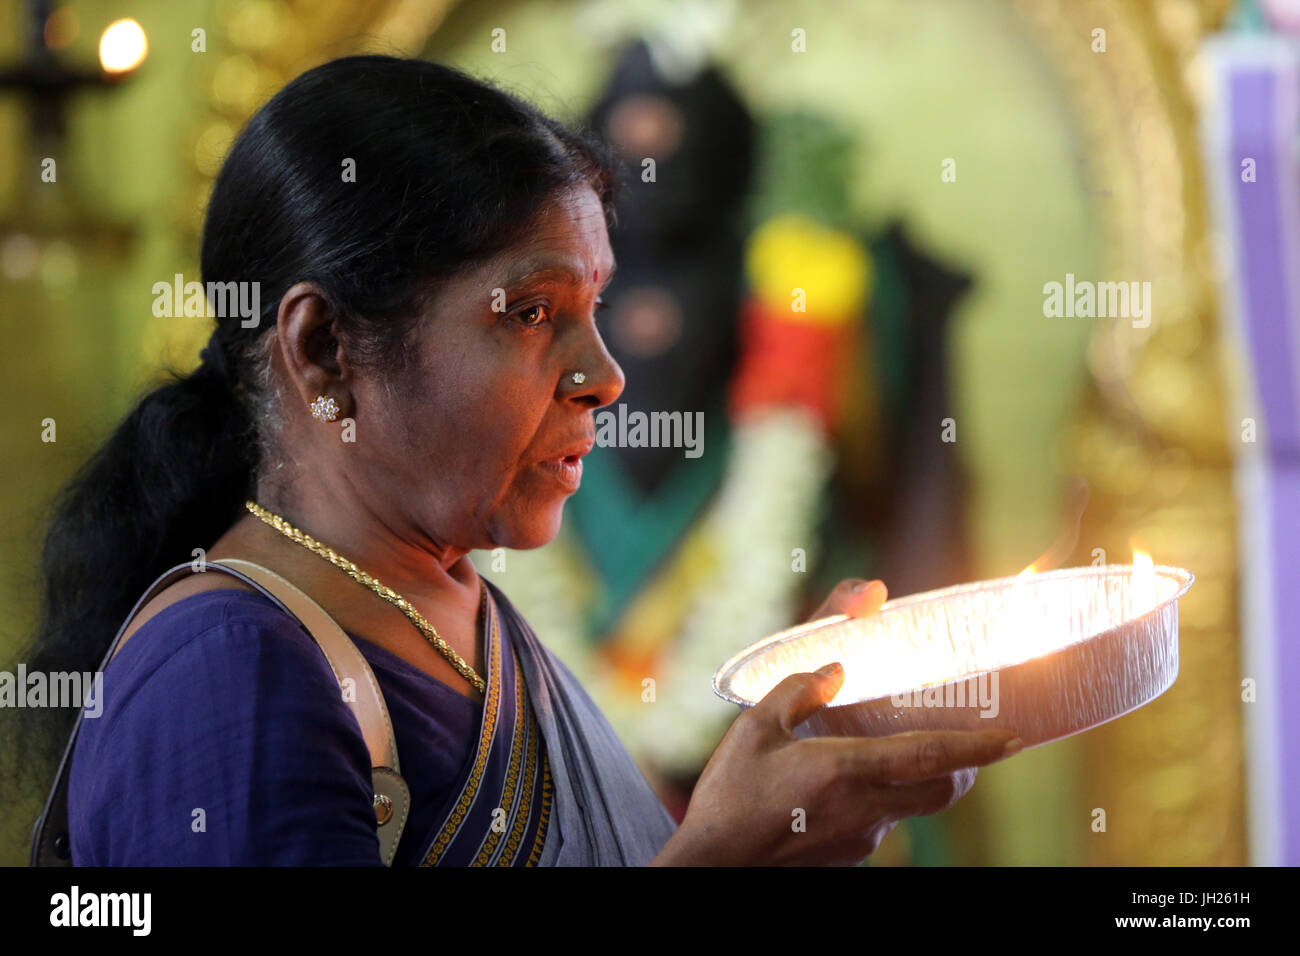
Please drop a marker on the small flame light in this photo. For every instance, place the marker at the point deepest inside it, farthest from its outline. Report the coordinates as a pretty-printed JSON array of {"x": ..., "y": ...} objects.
[
  {"x": 123, "y": 46},
  {"x": 1047, "y": 655}
]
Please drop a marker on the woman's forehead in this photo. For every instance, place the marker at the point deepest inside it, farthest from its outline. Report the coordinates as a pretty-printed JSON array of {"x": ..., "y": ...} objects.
[{"x": 567, "y": 242}]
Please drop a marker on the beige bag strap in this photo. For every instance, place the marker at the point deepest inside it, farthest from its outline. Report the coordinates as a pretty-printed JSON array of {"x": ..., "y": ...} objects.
[
  {"x": 361, "y": 692},
  {"x": 392, "y": 797}
]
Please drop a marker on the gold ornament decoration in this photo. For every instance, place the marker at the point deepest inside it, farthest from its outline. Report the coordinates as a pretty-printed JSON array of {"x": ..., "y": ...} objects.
[
  {"x": 388, "y": 594},
  {"x": 1148, "y": 439}
]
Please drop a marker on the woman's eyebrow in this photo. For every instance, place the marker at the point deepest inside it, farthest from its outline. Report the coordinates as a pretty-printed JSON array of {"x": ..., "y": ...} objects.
[{"x": 559, "y": 271}]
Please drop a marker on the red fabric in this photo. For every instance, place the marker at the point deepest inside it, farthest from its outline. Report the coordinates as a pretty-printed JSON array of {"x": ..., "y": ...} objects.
[{"x": 789, "y": 360}]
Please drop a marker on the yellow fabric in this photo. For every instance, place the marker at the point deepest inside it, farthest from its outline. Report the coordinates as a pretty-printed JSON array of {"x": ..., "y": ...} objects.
[{"x": 794, "y": 252}]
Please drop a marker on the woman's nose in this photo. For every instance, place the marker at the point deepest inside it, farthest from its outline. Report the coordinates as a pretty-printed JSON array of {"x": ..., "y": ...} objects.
[{"x": 594, "y": 379}]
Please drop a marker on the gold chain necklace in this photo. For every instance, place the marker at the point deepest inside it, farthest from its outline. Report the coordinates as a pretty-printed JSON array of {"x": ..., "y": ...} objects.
[{"x": 385, "y": 592}]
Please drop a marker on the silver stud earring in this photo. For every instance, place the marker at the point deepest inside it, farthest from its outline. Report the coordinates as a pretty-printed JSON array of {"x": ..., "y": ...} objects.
[
  {"x": 324, "y": 409},
  {"x": 578, "y": 378}
]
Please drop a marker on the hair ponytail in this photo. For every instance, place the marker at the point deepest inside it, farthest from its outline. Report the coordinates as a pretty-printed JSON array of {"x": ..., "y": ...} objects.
[{"x": 171, "y": 479}]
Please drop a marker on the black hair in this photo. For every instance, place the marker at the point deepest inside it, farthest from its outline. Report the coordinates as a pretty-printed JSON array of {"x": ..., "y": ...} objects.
[{"x": 448, "y": 170}]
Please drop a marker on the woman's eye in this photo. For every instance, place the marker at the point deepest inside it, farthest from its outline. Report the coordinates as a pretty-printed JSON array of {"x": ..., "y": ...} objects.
[{"x": 532, "y": 316}]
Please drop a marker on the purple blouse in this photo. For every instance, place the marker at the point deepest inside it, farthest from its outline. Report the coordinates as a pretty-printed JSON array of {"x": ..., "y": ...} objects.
[{"x": 224, "y": 741}]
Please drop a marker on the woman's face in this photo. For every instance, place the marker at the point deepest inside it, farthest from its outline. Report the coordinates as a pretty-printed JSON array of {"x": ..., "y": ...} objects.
[{"x": 480, "y": 441}]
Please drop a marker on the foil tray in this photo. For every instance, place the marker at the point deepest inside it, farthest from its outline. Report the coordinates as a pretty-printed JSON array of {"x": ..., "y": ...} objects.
[{"x": 1047, "y": 655}]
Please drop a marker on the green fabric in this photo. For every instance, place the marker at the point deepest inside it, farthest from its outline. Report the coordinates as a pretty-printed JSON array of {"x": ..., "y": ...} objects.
[
  {"x": 846, "y": 550},
  {"x": 928, "y": 840},
  {"x": 805, "y": 166},
  {"x": 630, "y": 536},
  {"x": 888, "y": 316}
]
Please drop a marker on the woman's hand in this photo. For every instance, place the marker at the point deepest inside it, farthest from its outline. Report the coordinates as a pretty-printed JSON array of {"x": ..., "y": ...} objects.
[{"x": 766, "y": 797}]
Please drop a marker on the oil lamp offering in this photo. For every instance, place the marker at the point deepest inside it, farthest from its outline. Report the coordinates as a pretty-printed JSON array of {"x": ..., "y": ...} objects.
[{"x": 1045, "y": 654}]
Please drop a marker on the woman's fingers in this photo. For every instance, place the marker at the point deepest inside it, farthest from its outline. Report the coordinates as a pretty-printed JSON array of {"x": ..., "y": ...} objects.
[
  {"x": 795, "y": 699},
  {"x": 920, "y": 754},
  {"x": 854, "y": 597},
  {"x": 928, "y": 796}
]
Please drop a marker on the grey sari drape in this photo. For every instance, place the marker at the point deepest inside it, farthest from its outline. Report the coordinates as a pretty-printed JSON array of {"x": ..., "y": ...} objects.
[{"x": 607, "y": 812}]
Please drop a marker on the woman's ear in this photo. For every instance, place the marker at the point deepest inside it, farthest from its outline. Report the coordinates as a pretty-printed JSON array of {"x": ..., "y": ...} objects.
[{"x": 313, "y": 356}]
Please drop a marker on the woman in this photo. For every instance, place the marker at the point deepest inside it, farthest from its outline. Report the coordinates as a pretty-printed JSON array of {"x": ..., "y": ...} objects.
[{"x": 429, "y": 254}]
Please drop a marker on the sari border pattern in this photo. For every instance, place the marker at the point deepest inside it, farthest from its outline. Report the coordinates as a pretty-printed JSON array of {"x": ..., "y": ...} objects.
[{"x": 507, "y": 794}]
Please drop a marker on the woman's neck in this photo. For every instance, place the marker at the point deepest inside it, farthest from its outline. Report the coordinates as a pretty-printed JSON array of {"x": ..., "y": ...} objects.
[
  {"x": 442, "y": 585},
  {"x": 420, "y": 569}
]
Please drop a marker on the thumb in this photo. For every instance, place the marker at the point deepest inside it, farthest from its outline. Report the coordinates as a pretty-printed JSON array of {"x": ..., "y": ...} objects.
[
  {"x": 854, "y": 597},
  {"x": 799, "y": 696}
]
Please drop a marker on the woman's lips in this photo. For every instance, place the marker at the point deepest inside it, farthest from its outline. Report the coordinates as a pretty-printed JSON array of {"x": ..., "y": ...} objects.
[{"x": 567, "y": 470}]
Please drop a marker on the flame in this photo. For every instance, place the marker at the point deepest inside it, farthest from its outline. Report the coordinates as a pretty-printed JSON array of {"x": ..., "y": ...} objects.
[
  {"x": 1067, "y": 536},
  {"x": 1021, "y": 626},
  {"x": 1144, "y": 581},
  {"x": 123, "y": 46}
]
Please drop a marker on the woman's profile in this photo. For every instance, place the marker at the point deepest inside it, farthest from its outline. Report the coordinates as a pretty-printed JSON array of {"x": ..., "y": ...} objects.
[{"x": 428, "y": 253}]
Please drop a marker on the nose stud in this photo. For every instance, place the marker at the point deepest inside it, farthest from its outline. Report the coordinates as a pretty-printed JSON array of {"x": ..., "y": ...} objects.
[{"x": 578, "y": 378}]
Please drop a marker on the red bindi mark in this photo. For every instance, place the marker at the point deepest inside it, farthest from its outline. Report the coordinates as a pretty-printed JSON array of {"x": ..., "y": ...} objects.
[{"x": 595, "y": 275}]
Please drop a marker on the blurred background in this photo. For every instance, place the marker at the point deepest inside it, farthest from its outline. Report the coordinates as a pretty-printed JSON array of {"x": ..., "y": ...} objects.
[{"x": 920, "y": 170}]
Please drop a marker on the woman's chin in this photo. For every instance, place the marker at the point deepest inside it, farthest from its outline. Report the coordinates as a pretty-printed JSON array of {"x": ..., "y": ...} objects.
[{"x": 533, "y": 530}]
